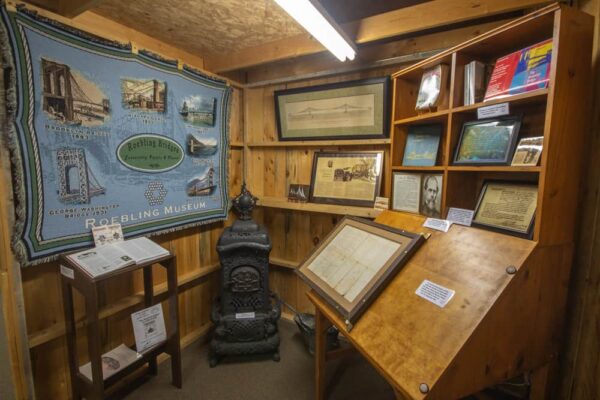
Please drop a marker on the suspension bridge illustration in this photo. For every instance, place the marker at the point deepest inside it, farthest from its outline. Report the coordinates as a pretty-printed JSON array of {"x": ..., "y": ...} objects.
[
  {"x": 342, "y": 111},
  {"x": 64, "y": 98},
  {"x": 77, "y": 184}
]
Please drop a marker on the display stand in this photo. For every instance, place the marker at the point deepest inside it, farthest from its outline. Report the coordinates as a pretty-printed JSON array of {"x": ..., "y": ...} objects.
[
  {"x": 75, "y": 277},
  {"x": 508, "y": 312}
]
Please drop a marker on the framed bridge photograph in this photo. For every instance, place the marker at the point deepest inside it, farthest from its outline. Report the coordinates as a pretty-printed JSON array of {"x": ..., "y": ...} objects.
[{"x": 344, "y": 110}]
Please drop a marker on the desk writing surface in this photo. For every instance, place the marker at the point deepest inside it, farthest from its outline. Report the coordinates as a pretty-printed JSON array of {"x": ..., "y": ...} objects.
[{"x": 411, "y": 340}]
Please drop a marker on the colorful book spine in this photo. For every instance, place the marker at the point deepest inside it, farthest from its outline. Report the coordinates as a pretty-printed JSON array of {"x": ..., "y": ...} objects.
[{"x": 522, "y": 71}]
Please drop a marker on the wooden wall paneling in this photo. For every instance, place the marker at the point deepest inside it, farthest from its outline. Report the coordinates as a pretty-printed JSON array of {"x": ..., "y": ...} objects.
[{"x": 580, "y": 360}]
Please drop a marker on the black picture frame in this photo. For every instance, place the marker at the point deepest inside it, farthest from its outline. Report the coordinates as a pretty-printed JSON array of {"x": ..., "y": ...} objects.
[
  {"x": 341, "y": 175},
  {"x": 528, "y": 234},
  {"x": 508, "y": 151},
  {"x": 381, "y": 110}
]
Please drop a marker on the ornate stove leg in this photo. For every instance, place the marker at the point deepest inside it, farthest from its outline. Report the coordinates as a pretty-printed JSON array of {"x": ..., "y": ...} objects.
[
  {"x": 213, "y": 359},
  {"x": 276, "y": 356}
]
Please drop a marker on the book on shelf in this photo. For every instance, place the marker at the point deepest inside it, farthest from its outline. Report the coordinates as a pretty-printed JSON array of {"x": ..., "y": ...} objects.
[
  {"x": 522, "y": 71},
  {"x": 112, "y": 257},
  {"x": 474, "y": 82},
  {"x": 433, "y": 90},
  {"x": 422, "y": 144},
  {"x": 112, "y": 362}
]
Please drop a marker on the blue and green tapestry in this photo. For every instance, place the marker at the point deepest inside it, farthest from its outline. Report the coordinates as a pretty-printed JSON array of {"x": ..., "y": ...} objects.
[{"x": 100, "y": 133}]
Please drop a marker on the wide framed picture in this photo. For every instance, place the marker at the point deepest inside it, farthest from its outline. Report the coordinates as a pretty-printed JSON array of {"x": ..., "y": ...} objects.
[
  {"x": 507, "y": 207},
  {"x": 489, "y": 141},
  {"x": 344, "y": 110},
  {"x": 346, "y": 178},
  {"x": 346, "y": 271},
  {"x": 422, "y": 144}
]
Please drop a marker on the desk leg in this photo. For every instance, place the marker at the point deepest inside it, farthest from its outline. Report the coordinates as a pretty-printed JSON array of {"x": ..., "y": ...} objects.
[
  {"x": 67, "y": 294},
  {"x": 321, "y": 326},
  {"x": 174, "y": 341},
  {"x": 93, "y": 338},
  {"x": 148, "y": 302}
]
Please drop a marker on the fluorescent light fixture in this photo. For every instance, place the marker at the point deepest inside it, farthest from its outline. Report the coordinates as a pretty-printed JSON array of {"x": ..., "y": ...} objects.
[{"x": 313, "y": 20}]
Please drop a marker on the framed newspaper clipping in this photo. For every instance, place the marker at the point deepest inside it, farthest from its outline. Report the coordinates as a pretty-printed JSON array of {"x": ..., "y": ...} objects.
[{"x": 355, "y": 263}]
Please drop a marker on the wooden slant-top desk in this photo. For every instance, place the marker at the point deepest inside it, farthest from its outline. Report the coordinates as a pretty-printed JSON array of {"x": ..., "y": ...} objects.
[{"x": 505, "y": 318}]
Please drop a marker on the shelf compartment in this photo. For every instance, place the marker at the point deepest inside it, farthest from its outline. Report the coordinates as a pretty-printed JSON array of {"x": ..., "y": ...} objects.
[
  {"x": 321, "y": 143},
  {"x": 283, "y": 203}
]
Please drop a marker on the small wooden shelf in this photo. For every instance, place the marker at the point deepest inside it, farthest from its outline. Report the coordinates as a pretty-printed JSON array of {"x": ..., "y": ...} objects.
[
  {"x": 321, "y": 143},
  {"x": 536, "y": 96},
  {"x": 492, "y": 168},
  {"x": 278, "y": 202},
  {"x": 411, "y": 168},
  {"x": 436, "y": 116},
  {"x": 282, "y": 262},
  {"x": 236, "y": 144}
]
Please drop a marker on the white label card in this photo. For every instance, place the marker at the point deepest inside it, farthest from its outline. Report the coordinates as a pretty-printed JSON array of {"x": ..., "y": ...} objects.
[
  {"x": 245, "y": 315},
  {"x": 68, "y": 272},
  {"x": 438, "y": 295},
  {"x": 460, "y": 216},
  {"x": 437, "y": 224},
  {"x": 496, "y": 110}
]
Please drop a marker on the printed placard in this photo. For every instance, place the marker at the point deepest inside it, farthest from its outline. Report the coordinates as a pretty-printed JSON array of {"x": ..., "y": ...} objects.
[
  {"x": 460, "y": 216},
  {"x": 68, "y": 272},
  {"x": 437, "y": 294},
  {"x": 496, "y": 110},
  {"x": 245, "y": 315},
  {"x": 441, "y": 225}
]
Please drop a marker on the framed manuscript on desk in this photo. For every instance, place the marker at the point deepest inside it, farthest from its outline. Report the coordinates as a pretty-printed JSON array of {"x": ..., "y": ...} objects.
[{"x": 355, "y": 262}]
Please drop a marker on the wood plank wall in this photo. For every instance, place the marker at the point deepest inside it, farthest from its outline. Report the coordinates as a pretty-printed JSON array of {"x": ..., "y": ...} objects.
[
  {"x": 194, "y": 248},
  {"x": 270, "y": 170}
]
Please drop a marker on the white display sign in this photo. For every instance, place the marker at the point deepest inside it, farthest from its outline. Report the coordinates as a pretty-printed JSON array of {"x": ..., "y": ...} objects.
[
  {"x": 460, "y": 216},
  {"x": 438, "y": 295},
  {"x": 437, "y": 224},
  {"x": 496, "y": 110},
  {"x": 68, "y": 272}
]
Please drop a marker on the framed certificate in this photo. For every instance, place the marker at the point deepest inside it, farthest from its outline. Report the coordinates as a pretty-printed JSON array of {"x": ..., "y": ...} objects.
[
  {"x": 490, "y": 141},
  {"x": 508, "y": 207},
  {"x": 407, "y": 192},
  {"x": 348, "y": 178},
  {"x": 346, "y": 271}
]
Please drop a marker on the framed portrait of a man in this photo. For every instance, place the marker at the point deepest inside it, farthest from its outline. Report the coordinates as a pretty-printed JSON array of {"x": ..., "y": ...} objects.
[{"x": 431, "y": 195}]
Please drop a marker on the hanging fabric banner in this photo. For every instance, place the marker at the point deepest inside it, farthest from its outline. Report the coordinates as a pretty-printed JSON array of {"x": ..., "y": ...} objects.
[{"x": 101, "y": 134}]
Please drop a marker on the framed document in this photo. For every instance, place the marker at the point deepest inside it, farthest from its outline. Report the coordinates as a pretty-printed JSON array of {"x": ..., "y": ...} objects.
[
  {"x": 344, "y": 110},
  {"x": 422, "y": 143},
  {"x": 407, "y": 192},
  {"x": 355, "y": 262},
  {"x": 490, "y": 141},
  {"x": 349, "y": 178},
  {"x": 528, "y": 152},
  {"x": 508, "y": 207}
]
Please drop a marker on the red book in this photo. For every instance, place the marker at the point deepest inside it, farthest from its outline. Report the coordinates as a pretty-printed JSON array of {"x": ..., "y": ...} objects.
[{"x": 522, "y": 71}]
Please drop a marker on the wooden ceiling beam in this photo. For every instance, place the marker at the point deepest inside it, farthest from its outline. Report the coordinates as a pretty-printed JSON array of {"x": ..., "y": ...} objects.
[
  {"x": 405, "y": 21},
  {"x": 72, "y": 8}
]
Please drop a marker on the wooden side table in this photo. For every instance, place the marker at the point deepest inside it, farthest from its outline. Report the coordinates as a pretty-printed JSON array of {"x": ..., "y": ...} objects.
[{"x": 75, "y": 277}]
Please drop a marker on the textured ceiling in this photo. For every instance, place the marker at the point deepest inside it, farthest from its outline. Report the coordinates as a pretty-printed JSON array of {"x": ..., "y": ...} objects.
[{"x": 204, "y": 26}]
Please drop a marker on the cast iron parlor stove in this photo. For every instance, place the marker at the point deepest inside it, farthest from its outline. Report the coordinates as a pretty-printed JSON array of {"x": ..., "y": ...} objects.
[{"x": 244, "y": 315}]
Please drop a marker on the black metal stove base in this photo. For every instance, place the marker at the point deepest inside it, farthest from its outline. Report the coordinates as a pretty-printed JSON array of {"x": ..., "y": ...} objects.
[{"x": 220, "y": 349}]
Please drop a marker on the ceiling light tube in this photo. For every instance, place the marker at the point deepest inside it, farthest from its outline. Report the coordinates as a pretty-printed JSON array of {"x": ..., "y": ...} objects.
[{"x": 318, "y": 25}]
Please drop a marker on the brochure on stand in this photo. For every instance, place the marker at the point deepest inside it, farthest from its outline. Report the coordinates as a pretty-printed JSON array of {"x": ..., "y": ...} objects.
[
  {"x": 149, "y": 327},
  {"x": 112, "y": 362},
  {"x": 111, "y": 257}
]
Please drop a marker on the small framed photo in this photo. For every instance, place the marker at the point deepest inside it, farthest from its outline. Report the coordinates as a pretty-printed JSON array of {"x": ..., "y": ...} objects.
[
  {"x": 343, "y": 110},
  {"x": 407, "y": 192},
  {"x": 490, "y": 141},
  {"x": 298, "y": 193},
  {"x": 422, "y": 144},
  {"x": 346, "y": 178},
  {"x": 431, "y": 195},
  {"x": 507, "y": 207},
  {"x": 528, "y": 152},
  {"x": 346, "y": 271}
]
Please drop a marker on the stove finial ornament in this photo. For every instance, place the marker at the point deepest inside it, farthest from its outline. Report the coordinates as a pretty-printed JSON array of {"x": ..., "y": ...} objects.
[{"x": 244, "y": 203}]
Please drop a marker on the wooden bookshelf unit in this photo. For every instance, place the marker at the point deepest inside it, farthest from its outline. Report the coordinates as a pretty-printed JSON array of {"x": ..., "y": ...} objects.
[{"x": 507, "y": 316}]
